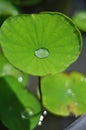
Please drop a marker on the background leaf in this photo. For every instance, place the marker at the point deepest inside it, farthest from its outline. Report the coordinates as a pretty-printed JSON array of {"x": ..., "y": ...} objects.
[
  {"x": 7, "y": 69},
  {"x": 80, "y": 20},
  {"x": 6, "y": 10},
  {"x": 19, "y": 109},
  {"x": 65, "y": 94}
]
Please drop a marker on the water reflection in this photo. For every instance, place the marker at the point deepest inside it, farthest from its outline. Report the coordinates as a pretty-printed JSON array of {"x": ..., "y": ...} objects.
[{"x": 27, "y": 113}]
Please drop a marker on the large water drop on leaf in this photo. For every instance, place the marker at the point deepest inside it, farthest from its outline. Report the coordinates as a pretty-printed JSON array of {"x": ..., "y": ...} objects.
[
  {"x": 27, "y": 113},
  {"x": 42, "y": 53}
]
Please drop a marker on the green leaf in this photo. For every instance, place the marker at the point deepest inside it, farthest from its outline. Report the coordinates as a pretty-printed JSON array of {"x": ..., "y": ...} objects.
[
  {"x": 19, "y": 109},
  {"x": 40, "y": 44},
  {"x": 7, "y": 69},
  {"x": 80, "y": 20},
  {"x": 26, "y": 2},
  {"x": 6, "y": 10},
  {"x": 65, "y": 94}
]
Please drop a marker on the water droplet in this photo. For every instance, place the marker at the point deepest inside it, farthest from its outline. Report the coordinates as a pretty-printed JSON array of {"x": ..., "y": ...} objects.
[
  {"x": 44, "y": 113},
  {"x": 20, "y": 79},
  {"x": 41, "y": 118},
  {"x": 70, "y": 92},
  {"x": 40, "y": 123},
  {"x": 42, "y": 53},
  {"x": 27, "y": 113}
]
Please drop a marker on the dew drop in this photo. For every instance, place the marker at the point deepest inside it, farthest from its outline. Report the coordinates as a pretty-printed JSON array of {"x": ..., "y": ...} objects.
[
  {"x": 20, "y": 79},
  {"x": 40, "y": 123},
  {"x": 44, "y": 113},
  {"x": 27, "y": 113},
  {"x": 41, "y": 118},
  {"x": 70, "y": 92},
  {"x": 42, "y": 53}
]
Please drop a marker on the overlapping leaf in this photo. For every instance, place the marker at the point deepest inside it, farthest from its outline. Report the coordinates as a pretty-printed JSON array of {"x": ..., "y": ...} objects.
[
  {"x": 80, "y": 20},
  {"x": 7, "y": 69},
  {"x": 19, "y": 109},
  {"x": 6, "y": 10}
]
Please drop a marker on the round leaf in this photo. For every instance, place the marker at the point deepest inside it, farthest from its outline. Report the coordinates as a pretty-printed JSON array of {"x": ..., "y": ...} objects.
[
  {"x": 65, "y": 94},
  {"x": 40, "y": 44},
  {"x": 19, "y": 109},
  {"x": 80, "y": 20}
]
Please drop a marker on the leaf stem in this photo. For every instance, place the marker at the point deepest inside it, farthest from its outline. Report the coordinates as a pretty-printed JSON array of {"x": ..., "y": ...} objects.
[{"x": 40, "y": 91}]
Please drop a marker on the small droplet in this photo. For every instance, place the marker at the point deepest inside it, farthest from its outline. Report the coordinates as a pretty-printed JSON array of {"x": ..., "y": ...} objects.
[
  {"x": 70, "y": 92},
  {"x": 20, "y": 79},
  {"x": 41, "y": 118},
  {"x": 40, "y": 123},
  {"x": 27, "y": 113},
  {"x": 44, "y": 113},
  {"x": 42, "y": 53}
]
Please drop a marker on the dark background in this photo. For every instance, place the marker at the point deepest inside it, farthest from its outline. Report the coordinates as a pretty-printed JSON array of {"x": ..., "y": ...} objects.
[{"x": 69, "y": 7}]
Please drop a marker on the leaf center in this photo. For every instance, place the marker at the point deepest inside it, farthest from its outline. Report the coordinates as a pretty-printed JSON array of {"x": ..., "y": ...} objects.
[{"x": 42, "y": 53}]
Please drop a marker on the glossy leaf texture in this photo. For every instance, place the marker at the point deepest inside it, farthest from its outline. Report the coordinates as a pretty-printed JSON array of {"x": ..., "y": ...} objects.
[
  {"x": 80, "y": 20},
  {"x": 65, "y": 94},
  {"x": 42, "y": 43},
  {"x": 7, "y": 69},
  {"x": 19, "y": 109}
]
